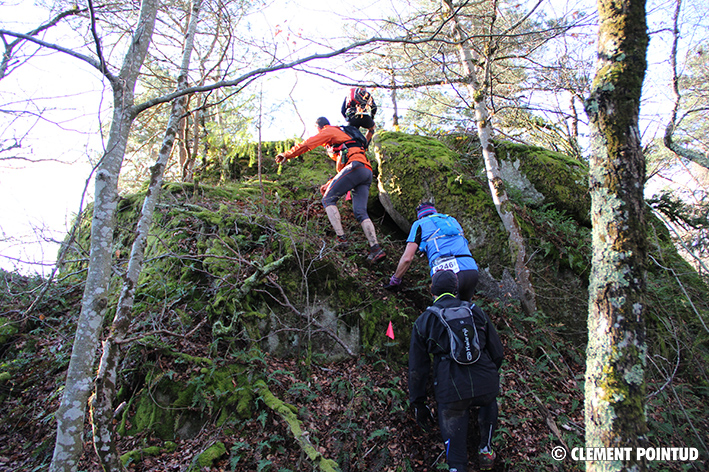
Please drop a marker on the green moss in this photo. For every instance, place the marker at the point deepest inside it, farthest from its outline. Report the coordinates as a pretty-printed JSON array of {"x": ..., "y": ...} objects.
[
  {"x": 412, "y": 168},
  {"x": 561, "y": 179},
  {"x": 211, "y": 455},
  {"x": 151, "y": 416},
  {"x": 8, "y": 329},
  {"x": 167, "y": 405},
  {"x": 131, "y": 457},
  {"x": 137, "y": 455},
  {"x": 287, "y": 413},
  {"x": 151, "y": 451}
]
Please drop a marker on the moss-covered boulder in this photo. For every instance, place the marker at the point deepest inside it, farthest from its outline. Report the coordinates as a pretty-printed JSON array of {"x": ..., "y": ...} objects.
[
  {"x": 416, "y": 168},
  {"x": 174, "y": 406},
  {"x": 539, "y": 176},
  {"x": 7, "y": 330},
  {"x": 548, "y": 189}
]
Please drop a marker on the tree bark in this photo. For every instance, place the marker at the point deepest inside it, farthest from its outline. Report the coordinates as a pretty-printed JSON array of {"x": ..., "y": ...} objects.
[
  {"x": 670, "y": 143},
  {"x": 616, "y": 352},
  {"x": 477, "y": 91},
  {"x": 102, "y": 401},
  {"x": 394, "y": 101},
  {"x": 70, "y": 415}
]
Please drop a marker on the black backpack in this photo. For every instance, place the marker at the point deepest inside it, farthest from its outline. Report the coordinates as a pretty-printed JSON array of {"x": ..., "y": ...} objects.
[
  {"x": 463, "y": 334},
  {"x": 357, "y": 139},
  {"x": 359, "y": 102}
]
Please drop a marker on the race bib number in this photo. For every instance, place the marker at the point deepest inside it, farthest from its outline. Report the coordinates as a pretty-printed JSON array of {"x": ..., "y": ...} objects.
[{"x": 446, "y": 263}]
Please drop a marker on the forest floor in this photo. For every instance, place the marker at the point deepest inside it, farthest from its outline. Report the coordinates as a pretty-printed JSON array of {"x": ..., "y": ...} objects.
[{"x": 354, "y": 411}]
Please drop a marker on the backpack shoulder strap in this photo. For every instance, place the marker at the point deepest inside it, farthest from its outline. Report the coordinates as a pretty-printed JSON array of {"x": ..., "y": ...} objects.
[
  {"x": 356, "y": 136},
  {"x": 353, "y": 92},
  {"x": 435, "y": 234}
]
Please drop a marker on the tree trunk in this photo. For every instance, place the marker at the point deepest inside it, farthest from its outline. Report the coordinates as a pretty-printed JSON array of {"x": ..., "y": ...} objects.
[
  {"x": 394, "y": 101},
  {"x": 616, "y": 352},
  {"x": 70, "y": 415},
  {"x": 477, "y": 91},
  {"x": 196, "y": 121},
  {"x": 574, "y": 134},
  {"x": 183, "y": 153},
  {"x": 102, "y": 402},
  {"x": 670, "y": 143}
]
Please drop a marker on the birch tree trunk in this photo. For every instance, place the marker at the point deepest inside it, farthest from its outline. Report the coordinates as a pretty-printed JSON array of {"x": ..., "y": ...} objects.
[
  {"x": 669, "y": 141},
  {"x": 394, "y": 101},
  {"x": 616, "y": 352},
  {"x": 71, "y": 413},
  {"x": 102, "y": 401},
  {"x": 477, "y": 91}
]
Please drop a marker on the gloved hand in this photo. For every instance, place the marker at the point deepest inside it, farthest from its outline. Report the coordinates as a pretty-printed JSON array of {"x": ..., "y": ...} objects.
[
  {"x": 424, "y": 418},
  {"x": 280, "y": 158},
  {"x": 394, "y": 283}
]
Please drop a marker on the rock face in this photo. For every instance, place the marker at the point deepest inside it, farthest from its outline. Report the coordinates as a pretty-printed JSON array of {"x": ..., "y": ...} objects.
[
  {"x": 549, "y": 190},
  {"x": 214, "y": 243}
]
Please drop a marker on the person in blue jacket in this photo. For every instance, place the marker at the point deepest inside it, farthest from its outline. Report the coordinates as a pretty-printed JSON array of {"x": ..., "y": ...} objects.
[
  {"x": 441, "y": 238},
  {"x": 457, "y": 387}
]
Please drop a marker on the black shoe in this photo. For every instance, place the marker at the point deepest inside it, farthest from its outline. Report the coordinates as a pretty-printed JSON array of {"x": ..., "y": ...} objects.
[
  {"x": 342, "y": 242},
  {"x": 487, "y": 460},
  {"x": 376, "y": 254}
]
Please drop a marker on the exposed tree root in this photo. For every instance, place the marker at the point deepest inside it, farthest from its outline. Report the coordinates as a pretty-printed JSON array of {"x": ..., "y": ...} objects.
[{"x": 302, "y": 437}]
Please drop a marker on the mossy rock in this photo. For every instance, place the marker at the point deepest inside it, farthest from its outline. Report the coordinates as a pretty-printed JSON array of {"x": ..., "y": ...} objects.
[
  {"x": 548, "y": 189},
  {"x": 8, "y": 329},
  {"x": 174, "y": 409},
  {"x": 558, "y": 179},
  {"x": 137, "y": 455},
  {"x": 208, "y": 457}
]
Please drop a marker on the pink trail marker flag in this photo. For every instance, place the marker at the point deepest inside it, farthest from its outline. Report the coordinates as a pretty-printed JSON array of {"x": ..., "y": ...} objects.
[{"x": 390, "y": 331}]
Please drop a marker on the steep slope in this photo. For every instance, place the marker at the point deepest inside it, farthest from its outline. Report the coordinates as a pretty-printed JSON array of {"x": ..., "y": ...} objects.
[{"x": 257, "y": 345}]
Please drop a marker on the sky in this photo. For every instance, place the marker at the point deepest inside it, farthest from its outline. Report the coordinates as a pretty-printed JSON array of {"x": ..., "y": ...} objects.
[{"x": 38, "y": 201}]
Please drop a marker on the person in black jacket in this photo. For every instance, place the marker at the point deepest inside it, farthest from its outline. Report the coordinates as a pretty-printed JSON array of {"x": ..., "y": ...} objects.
[
  {"x": 457, "y": 387},
  {"x": 359, "y": 109}
]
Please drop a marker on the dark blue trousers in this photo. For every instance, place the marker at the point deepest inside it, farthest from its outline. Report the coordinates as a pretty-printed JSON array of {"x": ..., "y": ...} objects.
[{"x": 453, "y": 421}]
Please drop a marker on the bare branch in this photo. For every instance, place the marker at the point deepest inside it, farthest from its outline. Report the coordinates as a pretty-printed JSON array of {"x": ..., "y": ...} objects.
[
  {"x": 286, "y": 303},
  {"x": 256, "y": 73},
  {"x": 28, "y": 37},
  {"x": 162, "y": 331},
  {"x": 97, "y": 40},
  {"x": 9, "y": 47}
]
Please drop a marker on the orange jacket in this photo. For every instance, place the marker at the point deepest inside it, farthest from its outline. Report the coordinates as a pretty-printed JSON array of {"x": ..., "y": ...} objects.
[{"x": 329, "y": 136}]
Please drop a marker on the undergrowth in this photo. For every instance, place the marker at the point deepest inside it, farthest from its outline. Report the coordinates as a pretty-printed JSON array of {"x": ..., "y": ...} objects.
[{"x": 209, "y": 325}]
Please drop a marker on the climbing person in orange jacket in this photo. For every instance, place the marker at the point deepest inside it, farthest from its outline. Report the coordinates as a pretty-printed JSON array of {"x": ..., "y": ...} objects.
[{"x": 354, "y": 174}]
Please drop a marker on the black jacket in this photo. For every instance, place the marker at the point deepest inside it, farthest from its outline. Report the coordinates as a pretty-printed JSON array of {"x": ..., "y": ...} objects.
[
  {"x": 452, "y": 381},
  {"x": 348, "y": 112}
]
